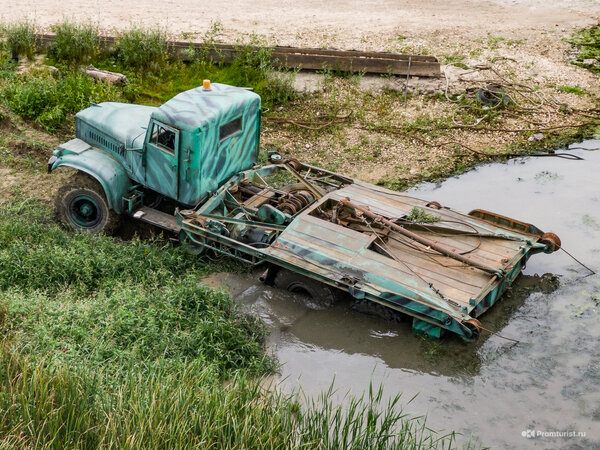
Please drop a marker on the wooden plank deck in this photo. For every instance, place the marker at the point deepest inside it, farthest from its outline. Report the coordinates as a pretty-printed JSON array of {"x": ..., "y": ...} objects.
[{"x": 401, "y": 261}]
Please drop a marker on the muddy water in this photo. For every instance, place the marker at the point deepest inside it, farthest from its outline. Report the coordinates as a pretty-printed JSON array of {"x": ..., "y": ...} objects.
[{"x": 493, "y": 390}]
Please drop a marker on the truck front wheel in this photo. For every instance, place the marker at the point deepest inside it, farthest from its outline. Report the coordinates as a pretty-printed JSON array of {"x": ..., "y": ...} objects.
[{"x": 81, "y": 205}]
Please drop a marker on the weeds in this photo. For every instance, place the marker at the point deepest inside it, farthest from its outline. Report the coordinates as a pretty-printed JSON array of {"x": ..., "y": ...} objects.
[
  {"x": 75, "y": 43},
  {"x": 572, "y": 90},
  {"x": 588, "y": 44},
  {"x": 141, "y": 48},
  {"x": 20, "y": 39},
  {"x": 419, "y": 215},
  {"x": 48, "y": 101}
]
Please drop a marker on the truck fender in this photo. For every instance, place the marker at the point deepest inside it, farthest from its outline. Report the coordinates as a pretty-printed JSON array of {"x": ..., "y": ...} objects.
[{"x": 101, "y": 166}]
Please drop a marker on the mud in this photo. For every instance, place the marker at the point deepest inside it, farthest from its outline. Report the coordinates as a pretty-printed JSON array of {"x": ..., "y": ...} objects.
[{"x": 495, "y": 390}]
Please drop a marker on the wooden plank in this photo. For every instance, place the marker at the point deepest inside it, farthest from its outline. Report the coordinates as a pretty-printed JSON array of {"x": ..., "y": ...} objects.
[
  {"x": 482, "y": 247},
  {"x": 473, "y": 256},
  {"x": 358, "y": 64},
  {"x": 157, "y": 218},
  {"x": 407, "y": 270},
  {"x": 440, "y": 265},
  {"x": 329, "y": 241}
]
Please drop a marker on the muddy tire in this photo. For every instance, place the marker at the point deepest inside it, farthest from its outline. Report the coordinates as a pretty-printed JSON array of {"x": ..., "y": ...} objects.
[
  {"x": 82, "y": 206},
  {"x": 493, "y": 96},
  {"x": 320, "y": 295},
  {"x": 375, "y": 309}
]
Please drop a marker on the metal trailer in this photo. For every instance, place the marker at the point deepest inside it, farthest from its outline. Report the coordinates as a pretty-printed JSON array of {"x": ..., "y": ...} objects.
[{"x": 359, "y": 238}]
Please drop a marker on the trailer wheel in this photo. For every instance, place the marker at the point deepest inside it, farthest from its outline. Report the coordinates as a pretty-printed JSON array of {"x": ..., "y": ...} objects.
[
  {"x": 82, "y": 206},
  {"x": 475, "y": 327},
  {"x": 371, "y": 308},
  {"x": 321, "y": 295},
  {"x": 193, "y": 248}
]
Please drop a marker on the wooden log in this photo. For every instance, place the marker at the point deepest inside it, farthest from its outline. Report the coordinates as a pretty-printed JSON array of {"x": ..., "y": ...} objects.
[{"x": 106, "y": 76}]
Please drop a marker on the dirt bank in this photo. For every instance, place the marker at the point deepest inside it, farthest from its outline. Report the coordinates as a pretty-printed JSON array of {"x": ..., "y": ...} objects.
[
  {"x": 387, "y": 139},
  {"x": 344, "y": 23}
]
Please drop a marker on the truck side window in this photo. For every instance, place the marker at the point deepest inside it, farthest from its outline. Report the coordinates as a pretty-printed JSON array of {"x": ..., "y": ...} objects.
[
  {"x": 163, "y": 138},
  {"x": 230, "y": 128}
]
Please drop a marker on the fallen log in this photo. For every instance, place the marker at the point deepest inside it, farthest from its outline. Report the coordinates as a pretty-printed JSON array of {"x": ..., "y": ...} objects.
[{"x": 106, "y": 76}]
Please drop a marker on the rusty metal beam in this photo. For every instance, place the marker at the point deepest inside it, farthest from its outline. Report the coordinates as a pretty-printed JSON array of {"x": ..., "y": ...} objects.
[
  {"x": 302, "y": 58},
  {"x": 420, "y": 239}
]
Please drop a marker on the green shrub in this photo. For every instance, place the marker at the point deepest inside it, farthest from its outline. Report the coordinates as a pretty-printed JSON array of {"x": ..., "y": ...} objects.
[
  {"x": 49, "y": 101},
  {"x": 278, "y": 88},
  {"x": 143, "y": 48},
  {"x": 20, "y": 38},
  {"x": 75, "y": 43},
  {"x": 30, "y": 96}
]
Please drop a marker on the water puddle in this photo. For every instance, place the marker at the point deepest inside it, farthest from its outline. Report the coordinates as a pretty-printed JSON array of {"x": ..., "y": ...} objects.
[{"x": 495, "y": 390}]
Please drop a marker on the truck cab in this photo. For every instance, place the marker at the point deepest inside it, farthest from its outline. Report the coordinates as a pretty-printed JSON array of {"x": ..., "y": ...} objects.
[{"x": 183, "y": 150}]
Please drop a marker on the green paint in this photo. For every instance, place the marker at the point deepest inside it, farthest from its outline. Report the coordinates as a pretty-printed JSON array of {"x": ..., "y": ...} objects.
[
  {"x": 215, "y": 135},
  {"x": 426, "y": 329}
]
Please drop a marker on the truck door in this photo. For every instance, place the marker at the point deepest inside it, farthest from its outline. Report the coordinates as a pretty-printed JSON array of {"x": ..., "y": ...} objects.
[{"x": 161, "y": 161}]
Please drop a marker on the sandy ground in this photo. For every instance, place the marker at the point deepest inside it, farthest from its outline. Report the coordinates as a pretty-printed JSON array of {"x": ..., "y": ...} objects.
[
  {"x": 519, "y": 41},
  {"x": 528, "y": 31},
  {"x": 373, "y": 24}
]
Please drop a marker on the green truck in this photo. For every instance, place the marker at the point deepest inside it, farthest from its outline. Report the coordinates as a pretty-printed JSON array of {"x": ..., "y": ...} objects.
[{"x": 317, "y": 232}]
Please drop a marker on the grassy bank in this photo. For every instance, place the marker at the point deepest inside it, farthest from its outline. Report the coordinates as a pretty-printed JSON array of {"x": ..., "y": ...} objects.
[{"x": 117, "y": 345}]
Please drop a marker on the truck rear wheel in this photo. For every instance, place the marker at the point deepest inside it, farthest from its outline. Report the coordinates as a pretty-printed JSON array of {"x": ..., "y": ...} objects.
[
  {"x": 81, "y": 205},
  {"x": 320, "y": 294}
]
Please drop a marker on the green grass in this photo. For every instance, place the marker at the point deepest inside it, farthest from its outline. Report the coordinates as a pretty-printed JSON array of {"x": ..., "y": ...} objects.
[
  {"x": 587, "y": 43},
  {"x": 572, "y": 90},
  {"x": 116, "y": 344}
]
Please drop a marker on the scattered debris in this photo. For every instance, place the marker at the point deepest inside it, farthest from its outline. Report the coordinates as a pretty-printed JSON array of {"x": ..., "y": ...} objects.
[
  {"x": 493, "y": 95},
  {"x": 536, "y": 137}
]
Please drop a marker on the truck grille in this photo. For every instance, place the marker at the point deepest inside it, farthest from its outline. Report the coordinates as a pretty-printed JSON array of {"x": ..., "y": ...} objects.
[{"x": 107, "y": 144}]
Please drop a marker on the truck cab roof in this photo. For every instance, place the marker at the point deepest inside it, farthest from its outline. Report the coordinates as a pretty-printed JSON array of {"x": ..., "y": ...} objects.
[
  {"x": 196, "y": 107},
  {"x": 189, "y": 110}
]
